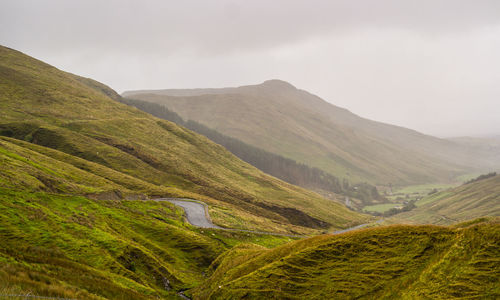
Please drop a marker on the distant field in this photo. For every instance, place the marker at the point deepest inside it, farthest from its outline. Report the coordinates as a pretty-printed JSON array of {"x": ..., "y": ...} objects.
[
  {"x": 464, "y": 202},
  {"x": 423, "y": 188},
  {"x": 417, "y": 192}
]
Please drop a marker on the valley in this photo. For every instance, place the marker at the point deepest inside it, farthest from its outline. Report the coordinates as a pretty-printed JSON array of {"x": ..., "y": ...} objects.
[{"x": 254, "y": 192}]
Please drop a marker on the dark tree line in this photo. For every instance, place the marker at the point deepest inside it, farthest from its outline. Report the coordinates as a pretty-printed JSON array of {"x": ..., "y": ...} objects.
[
  {"x": 481, "y": 177},
  {"x": 284, "y": 168},
  {"x": 276, "y": 165}
]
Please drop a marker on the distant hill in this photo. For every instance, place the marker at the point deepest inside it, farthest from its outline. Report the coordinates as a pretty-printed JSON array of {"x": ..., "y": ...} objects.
[
  {"x": 360, "y": 194},
  {"x": 476, "y": 199},
  {"x": 66, "y": 134},
  {"x": 395, "y": 262},
  {"x": 282, "y": 119}
]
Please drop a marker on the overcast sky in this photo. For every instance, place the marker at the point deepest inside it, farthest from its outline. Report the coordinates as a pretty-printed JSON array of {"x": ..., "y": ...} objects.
[{"x": 433, "y": 66}]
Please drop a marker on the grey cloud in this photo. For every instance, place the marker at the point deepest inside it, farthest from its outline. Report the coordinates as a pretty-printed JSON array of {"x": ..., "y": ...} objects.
[
  {"x": 225, "y": 26},
  {"x": 428, "y": 65}
]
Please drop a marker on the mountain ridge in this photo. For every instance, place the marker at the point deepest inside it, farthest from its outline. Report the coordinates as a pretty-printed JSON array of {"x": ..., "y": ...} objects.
[{"x": 302, "y": 126}]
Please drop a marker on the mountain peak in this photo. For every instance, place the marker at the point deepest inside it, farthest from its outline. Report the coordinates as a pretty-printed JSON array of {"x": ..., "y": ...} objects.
[{"x": 276, "y": 83}]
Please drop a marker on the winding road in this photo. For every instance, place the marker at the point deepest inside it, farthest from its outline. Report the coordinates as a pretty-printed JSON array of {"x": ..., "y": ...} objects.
[
  {"x": 196, "y": 211},
  {"x": 197, "y": 215}
]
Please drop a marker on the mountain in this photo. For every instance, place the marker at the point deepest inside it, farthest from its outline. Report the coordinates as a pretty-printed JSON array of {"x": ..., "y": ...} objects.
[
  {"x": 286, "y": 169},
  {"x": 77, "y": 168},
  {"x": 479, "y": 198},
  {"x": 279, "y": 118},
  {"x": 68, "y": 134},
  {"x": 395, "y": 262}
]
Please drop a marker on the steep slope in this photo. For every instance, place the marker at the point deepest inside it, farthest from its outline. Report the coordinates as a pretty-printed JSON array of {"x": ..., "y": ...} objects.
[
  {"x": 129, "y": 153},
  {"x": 286, "y": 169},
  {"x": 71, "y": 247},
  {"x": 396, "y": 262},
  {"x": 472, "y": 200},
  {"x": 279, "y": 118}
]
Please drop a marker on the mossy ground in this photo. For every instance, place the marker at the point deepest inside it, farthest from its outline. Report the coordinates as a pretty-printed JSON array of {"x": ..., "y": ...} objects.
[
  {"x": 395, "y": 262},
  {"x": 74, "y": 247}
]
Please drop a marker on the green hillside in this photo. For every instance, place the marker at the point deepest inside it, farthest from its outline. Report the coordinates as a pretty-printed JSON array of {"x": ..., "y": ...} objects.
[
  {"x": 67, "y": 134},
  {"x": 468, "y": 201},
  {"x": 395, "y": 262},
  {"x": 73, "y": 247},
  {"x": 279, "y": 118}
]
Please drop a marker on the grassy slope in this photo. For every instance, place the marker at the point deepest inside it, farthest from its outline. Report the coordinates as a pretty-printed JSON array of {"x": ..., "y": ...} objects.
[
  {"x": 73, "y": 247},
  {"x": 465, "y": 202},
  {"x": 279, "y": 118},
  {"x": 395, "y": 262},
  {"x": 128, "y": 152}
]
